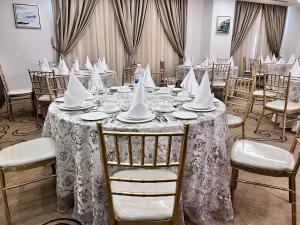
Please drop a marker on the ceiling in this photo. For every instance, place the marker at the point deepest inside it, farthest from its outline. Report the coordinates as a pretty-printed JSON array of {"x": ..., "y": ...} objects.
[{"x": 276, "y": 2}]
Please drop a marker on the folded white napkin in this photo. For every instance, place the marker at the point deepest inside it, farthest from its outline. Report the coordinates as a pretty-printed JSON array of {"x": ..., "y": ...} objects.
[
  {"x": 104, "y": 64},
  {"x": 75, "y": 93},
  {"x": 204, "y": 98},
  {"x": 274, "y": 58},
  {"x": 62, "y": 67},
  {"x": 100, "y": 66},
  {"x": 96, "y": 81},
  {"x": 147, "y": 78},
  {"x": 190, "y": 83},
  {"x": 231, "y": 62},
  {"x": 45, "y": 66},
  {"x": 295, "y": 70},
  {"x": 76, "y": 65},
  {"x": 292, "y": 59},
  {"x": 138, "y": 108},
  {"x": 187, "y": 61},
  {"x": 267, "y": 60},
  {"x": 88, "y": 64}
]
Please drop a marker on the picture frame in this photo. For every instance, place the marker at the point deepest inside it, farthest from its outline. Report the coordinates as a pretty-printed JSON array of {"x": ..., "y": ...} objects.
[
  {"x": 223, "y": 24},
  {"x": 27, "y": 16}
]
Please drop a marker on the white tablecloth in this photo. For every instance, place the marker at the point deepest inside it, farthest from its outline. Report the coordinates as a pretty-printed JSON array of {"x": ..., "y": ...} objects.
[
  {"x": 182, "y": 71},
  {"x": 206, "y": 192}
]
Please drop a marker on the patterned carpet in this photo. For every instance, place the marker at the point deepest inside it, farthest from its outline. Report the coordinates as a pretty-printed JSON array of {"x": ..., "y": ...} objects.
[{"x": 36, "y": 204}]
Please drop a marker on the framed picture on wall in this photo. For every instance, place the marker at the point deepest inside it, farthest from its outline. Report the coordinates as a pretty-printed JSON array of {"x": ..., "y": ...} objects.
[
  {"x": 27, "y": 16},
  {"x": 223, "y": 24}
]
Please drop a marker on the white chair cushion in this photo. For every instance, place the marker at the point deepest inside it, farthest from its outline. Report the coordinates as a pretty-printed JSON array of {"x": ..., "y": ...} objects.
[
  {"x": 234, "y": 120},
  {"x": 20, "y": 91},
  {"x": 219, "y": 84},
  {"x": 27, "y": 152},
  {"x": 260, "y": 93},
  {"x": 133, "y": 208},
  {"x": 279, "y": 105},
  {"x": 263, "y": 156},
  {"x": 44, "y": 98}
]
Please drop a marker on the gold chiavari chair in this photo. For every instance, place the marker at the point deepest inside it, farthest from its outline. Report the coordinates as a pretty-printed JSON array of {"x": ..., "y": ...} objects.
[
  {"x": 23, "y": 156},
  {"x": 279, "y": 85},
  {"x": 245, "y": 71},
  {"x": 238, "y": 100},
  {"x": 266, "y": 160},
  {"x": 136, "y": 193},
  {"x": 128, "y": 75},
  {"x": 217, "y": 81},
  {"x": 57, "y": 86},
  {"x": 39, "y": 85},
  {"x": 15, "y": 96}
]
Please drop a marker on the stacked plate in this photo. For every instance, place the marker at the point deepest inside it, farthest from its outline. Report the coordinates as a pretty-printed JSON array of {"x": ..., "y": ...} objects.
[
  {"x": 93, "y": 116},
  {"x": 125, "y": 118},
  {"x": 83, "y": 106},
  {"x": 192, "y": 107}
]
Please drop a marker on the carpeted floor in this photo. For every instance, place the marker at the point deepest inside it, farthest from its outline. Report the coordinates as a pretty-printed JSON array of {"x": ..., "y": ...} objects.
[{"x": 36, "y": 204}]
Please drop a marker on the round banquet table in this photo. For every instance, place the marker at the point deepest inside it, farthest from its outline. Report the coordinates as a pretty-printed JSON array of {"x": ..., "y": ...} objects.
[
  {"x": 182, "y": 71},
  {"x": 276, "y": 68},
  {"x": 206, "y": 191}
]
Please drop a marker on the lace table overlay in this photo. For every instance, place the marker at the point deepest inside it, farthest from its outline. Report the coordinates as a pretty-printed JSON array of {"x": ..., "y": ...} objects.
[
  {"x": 206, "y": 192},
  {"x": 182, "y": 71}
]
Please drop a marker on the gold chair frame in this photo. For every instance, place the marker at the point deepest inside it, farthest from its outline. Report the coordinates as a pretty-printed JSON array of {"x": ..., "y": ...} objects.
[
  {"x": 5, "y": 188},
  {"x": 39, "y": 85},
  {"x": 291, "y": 175},
  {"x": 238, "y": 96},
  {"x": 128, "y": 75},
  {"x": 279, "y": 85},
  {"x": 56, "y": 86},
  {"x": 219, "y": 68},
  {"x": 117, "y": 162}
]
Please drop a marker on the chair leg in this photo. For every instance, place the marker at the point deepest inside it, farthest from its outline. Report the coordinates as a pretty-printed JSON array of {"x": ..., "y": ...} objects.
[
  {"x": 293, "y": 187},
  {"x": 283, "y": 127},
  {"x": 243, "y": 130},
  {"x": 37, "y": 115},
  {"x": 259, "y": 121},
  {"x": 290, "y": 192},
  {"x": 10, "y": 115},
  {"x": 253, "y": 101},
  {"x": 233, "y": 182},
  {"x": 6, "y": 209},
  {"x": 276, "y": 120},
  {"x": 53, "y": 168}
]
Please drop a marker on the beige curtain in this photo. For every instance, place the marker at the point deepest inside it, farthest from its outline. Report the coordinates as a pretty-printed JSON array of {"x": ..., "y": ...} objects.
[
  {"x": 72, "y": 19},
  {"x": 173, "y": 16},
  {"x": 131, "y": 16},
  {"x": 275, "y": 17},
  {"x": 154, "y": 45},
  {"x": 254, "y": 44},
  {"x": 245, "y": 15},
  {"x": 102, "y": 39}
]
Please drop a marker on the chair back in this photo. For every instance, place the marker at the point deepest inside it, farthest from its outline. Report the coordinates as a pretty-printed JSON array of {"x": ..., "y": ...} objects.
[
  {"x": 238, "y": 96},
  {"x": 128, "y": 75},
  {"x": 39, "y": 82},
  {"x": 164, "y": 154},
  {"x": 278, "y": 85},
  {"x": 3, "y": 80},
  {"x": 220, "y": 72},
  {"x": 57, "y": 86}
]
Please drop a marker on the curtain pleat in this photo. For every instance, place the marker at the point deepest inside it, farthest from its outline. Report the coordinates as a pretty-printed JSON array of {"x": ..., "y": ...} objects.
[
  {"x": 245, "y": 15},
  {"x": 275, "y": 17},
  {"x": 173, "y": 16},
  {"x": 72, "y": 19}
]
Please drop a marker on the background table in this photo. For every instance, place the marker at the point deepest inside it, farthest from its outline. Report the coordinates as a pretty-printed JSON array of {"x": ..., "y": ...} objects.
[
  {"x": 199, "y": 71},
  {"x": 206, "y": 192},
  {"x": 276, "y": 68}
]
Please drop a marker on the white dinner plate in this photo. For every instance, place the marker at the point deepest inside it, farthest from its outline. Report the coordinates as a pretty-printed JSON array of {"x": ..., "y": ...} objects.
[
  {"x": 61, "y": 99},
  {"x": 123, "y": 117},
  {"x": 93, "y": 116},
  {"x": 85, "y": 105},
  {"x": 177, "y": 90},
  {"x": 164, "y": 110},
  {"x": 124, "y": 90},
  {"x": 185, "y": 115},
  {"x": 114, "y": 88},
  {"x": 188, "y": 107},
  {"x": 187, "y": 99}
]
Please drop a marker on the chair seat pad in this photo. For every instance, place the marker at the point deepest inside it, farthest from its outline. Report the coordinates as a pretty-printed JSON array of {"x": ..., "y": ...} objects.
[
  {"x": 279, "y": 105},
  {"x": 262, "y": 156},
  {"x": 23, "y": 91},
  {"x": 132, "y": 208},
  {"x": 234, "y": 120},
  {"x": 260, "y": 93},
  {"x": 27, "y": 152},
  {"x": 44, "y": 98},
  {"x": 219, "y": 84}
]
